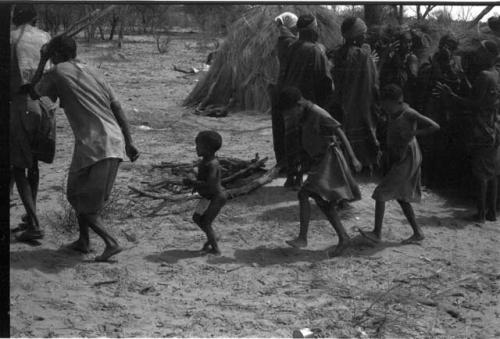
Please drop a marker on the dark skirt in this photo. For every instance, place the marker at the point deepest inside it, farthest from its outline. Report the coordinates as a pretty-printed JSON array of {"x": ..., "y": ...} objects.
[{"x": 331, "y": 178}]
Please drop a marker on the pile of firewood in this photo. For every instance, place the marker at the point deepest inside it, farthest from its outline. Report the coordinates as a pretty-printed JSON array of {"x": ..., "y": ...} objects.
[{"x": 239, "y": 177}]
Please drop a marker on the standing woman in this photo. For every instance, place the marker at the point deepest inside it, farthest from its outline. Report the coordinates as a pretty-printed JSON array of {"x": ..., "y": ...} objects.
[
  {"x": 356, "y": 81},
  {"x": 25, "y": 114}
]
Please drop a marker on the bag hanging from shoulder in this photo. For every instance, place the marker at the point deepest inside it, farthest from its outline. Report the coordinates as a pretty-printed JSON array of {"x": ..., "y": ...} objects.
[{"x": 44, "y": 145}]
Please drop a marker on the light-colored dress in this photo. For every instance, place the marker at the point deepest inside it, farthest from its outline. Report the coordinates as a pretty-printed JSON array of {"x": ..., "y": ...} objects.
[{"x": 402, "y": 181}]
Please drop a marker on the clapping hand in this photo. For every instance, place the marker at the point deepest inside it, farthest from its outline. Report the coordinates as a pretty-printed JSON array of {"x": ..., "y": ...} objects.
[
  {"x": 441, "y": 89},
  {"x": 375, "y": 56}
]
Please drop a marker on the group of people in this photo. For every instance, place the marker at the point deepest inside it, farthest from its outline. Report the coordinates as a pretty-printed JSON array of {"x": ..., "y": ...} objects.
[
  {"x": 326, "y": 121},
  {"x": 375, "y": 97}
]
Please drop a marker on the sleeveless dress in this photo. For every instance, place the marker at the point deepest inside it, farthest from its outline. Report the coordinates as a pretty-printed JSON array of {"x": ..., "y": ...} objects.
[{"x": 402, "y": 181}]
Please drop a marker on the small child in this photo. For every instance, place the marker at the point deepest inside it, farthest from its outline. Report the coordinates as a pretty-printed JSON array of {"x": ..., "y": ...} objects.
[
  {"x": 208, "y": 185},
  {"x": 402, "y": 181}
]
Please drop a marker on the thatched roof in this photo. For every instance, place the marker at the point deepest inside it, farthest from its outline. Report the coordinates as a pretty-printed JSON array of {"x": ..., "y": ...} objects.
[{"x": 246, "y": 63}]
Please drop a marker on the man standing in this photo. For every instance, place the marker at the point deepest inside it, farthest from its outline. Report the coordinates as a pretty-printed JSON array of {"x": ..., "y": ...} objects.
[
  {"x": 101, "y": 134},
  {"x": 25, "y": 114}
]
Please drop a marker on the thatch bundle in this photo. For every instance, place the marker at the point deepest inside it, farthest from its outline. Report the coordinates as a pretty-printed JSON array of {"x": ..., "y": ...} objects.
[{"x": 246, "y": 63}]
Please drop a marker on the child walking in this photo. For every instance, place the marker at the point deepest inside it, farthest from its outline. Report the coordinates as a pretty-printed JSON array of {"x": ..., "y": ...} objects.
[
  {"x": 208, "y": 185},
  {"x": 329, "y": 179},
  {"x": 402, "y": 181}
]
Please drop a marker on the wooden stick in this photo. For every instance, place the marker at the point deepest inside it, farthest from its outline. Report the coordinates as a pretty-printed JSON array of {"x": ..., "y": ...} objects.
[
  {"x": 169, "y": 197},
  {"x": 93, "y": 17},
  {"x": 100, "y": 283},
  {"x": 252, "y": 166},
  {"x": 264, "y": 179}
]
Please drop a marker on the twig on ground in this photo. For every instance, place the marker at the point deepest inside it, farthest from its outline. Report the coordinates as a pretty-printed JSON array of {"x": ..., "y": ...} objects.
[{"x": 100, "y": 283}]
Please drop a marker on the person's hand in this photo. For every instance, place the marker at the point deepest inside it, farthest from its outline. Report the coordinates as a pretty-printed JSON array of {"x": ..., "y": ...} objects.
[
  {"x": 132, "y": 152},
  {"x": 44, "y": 52},
  {"x": 441, "y": 89},
  {"x": 29, "y": 89},
  {"x": 375, "y": 56},
  {"x": 357, "y": 165}
]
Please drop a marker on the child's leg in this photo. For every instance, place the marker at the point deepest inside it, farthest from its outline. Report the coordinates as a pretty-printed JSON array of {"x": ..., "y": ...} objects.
[
  {"x": 83, "y": 242},
  {"x": 197, "y": 218},
  {"x": 94, "y": 222},
  {"x": 209, "y": 216},
  {"x": 492, "y": 197},
  {"x": 334, "y": 219},
  {"x": 376, "y": 234},
  {"x": 305, "y": 215},
  {"x": 418, "y": 235}
]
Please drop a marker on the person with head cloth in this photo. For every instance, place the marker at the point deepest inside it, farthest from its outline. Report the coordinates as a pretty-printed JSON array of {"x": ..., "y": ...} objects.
[
  {"x": 25, "y": 114},
  {"x": 485, "y": 131},
  {"x": 287, "y": 25},
  {"x": 356, "y": 79},
  {"x": 307, "y": 68}
]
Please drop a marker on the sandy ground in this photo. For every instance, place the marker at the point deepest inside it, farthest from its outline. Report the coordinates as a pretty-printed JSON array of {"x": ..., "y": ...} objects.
[{"x": 160, "y": 286}]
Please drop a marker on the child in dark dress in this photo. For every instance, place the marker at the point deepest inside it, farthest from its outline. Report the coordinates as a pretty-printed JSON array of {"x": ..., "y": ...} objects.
[
  {"x": 208, "y": 185},
  {"x": 402, "y": 181}
]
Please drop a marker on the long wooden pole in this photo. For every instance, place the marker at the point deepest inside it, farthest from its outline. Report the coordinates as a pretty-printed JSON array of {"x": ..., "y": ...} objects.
[{"x": 72, "y": 31}]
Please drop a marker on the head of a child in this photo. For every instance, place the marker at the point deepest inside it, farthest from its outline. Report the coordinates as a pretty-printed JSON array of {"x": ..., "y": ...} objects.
[
  {"x": 391, "y": 99},
  {"x": 487, "y": 54},
  {"x": 207, "y": 143},
  {"x": 289, "y": 102},
  {"x": 62, "y": 48}
]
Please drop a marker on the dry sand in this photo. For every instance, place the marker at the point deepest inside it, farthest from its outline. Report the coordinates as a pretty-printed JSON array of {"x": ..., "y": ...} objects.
[{"x": 160, "y": 286}]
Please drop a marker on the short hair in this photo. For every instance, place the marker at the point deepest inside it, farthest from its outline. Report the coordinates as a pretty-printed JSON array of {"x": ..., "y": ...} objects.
[
  {"x": 288, "y": 98},
  {"x": 64, "y": 45},
  {"x": 391, "y": 92},
  {"x": 23, "y": 13},
  {"x": 305, "y": 20},
  {"x": 210, "y": 138}
]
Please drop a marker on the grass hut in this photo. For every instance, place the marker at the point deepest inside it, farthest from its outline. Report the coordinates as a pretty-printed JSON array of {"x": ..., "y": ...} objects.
[{"x": 246, "y": 63}]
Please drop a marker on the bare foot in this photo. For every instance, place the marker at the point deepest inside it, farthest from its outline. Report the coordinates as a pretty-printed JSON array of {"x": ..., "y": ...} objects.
[
  {"x": 215, "y": 251},
  {"x": 369, "y": 235},
  {"x": 339, "y": 249},
  {"x": 297, "y": 243},
  {"x": 414, "y": 239},
  {"x": 108, "y": 253},
  {"x": 78, "y": 246}
]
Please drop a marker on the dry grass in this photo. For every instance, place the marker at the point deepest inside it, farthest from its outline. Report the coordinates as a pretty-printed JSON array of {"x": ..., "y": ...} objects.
[{"x": 246, "y": 63}]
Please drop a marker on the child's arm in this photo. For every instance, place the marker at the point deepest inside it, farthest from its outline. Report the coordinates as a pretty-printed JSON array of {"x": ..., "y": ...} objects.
[
  {"x": 210, "y": 184},
  {"x": 432, "y": 126},
  {"x": 355, "y": 162}
]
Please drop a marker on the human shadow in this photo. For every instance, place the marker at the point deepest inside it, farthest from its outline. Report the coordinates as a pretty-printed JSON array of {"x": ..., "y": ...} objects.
[
  {"x": 268, "y": 195},
  {"x": 173, "y": 256},
  {"x": 362, "y": 247},
  {"x": 45, "y": 260},
  {"x": 264, "y": 256}
]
